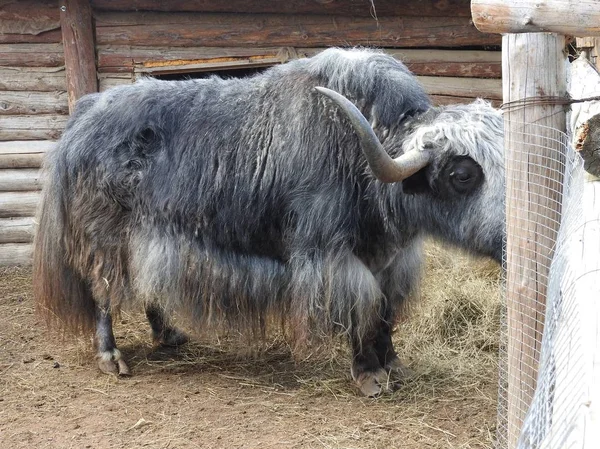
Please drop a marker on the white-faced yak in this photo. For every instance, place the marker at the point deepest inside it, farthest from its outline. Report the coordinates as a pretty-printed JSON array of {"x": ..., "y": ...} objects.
[{"x": 302, "y": 194}]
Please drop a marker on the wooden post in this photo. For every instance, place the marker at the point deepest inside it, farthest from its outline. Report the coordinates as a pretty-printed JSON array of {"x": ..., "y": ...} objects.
[
  {"x": 533, "y": 65},
  {"x": 78, "y": 41}
]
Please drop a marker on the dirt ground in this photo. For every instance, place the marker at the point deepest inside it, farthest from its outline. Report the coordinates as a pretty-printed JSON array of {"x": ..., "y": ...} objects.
[{"x": 215, "y": 393}]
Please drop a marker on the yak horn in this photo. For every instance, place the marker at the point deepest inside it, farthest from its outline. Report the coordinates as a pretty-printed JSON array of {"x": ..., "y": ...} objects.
[{"x": 382, "y": 165}]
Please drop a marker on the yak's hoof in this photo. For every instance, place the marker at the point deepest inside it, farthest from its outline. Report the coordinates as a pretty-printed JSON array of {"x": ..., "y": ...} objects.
[
  {"x": 111, "y": 362},
  {"x": 170, "y": 338},
  {"x": 398, "y": 371},
  {"x": 374, "y": 383}
]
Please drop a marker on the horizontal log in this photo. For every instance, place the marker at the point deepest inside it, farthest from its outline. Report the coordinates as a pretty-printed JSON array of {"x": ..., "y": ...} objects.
[
  {"x": 23, "y": 154},
  {"x": 33, "y": 79},
  {"x": 117, "y": 58},
  {"x": 32, "y": 160},
  {"x": 32, "y": 127},
  {"x": 443, "y": 100},
  {"x": 16, "y": 230},
  {"x": 107, "y": 81},
  {"x": 32, "y": 55},
  {"x": 26, "y": 146},
  {"x": 28, "y": 17},
  {"x": 567, "y": 17},
  {"x": 18, "y": 204},
  {"x": 21, "y": 179},
  {"x": 239, "y": 30},
  {"x": 46, "y": 37},
  {"x": 22, "y": 102},
  {"x": 490, "y": 89},
  {"x": 12, "y": 254},
  {"x": 364, "y": 8},
  {"x": 469, "y": 63}
]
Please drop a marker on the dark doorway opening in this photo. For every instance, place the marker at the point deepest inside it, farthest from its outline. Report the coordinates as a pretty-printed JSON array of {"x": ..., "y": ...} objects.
[{"x": 241, "y": 72}]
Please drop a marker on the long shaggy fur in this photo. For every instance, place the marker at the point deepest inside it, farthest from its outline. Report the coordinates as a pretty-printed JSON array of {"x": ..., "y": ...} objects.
[{"x": 239, "y": 199}]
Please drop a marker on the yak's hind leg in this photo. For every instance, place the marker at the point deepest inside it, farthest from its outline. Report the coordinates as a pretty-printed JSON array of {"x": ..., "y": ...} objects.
[
  {"x": 109, "y": 357},
  {"x": 163, "y": 334}
]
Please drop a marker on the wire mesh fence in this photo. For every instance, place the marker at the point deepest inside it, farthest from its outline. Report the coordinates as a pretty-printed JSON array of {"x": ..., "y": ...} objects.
[{"x": 543, "y": 354}]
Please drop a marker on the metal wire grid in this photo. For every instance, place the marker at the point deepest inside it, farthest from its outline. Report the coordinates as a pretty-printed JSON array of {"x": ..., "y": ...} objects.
[{"x": 543, "y": 158}]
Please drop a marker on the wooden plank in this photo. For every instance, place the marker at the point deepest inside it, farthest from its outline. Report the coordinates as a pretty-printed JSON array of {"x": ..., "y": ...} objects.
[
  {"x": 32, "y": 55},
  {"x": 18, "y": 204},
  {"x": 46, "y": 37},
  {"x": 117, "y": 58},
  {"x": 21, "y": 102},
  {"x": 358, "y": 8},
  {"x": 32, "y": 127},
  {"x": 27, "y": 160},
  {"x": 26, "y": 147},
  {"x": 107, "y": 81},
  {"x": 32, "y": 17},
  {"x": 20, "y": 180},
  {"x": 443, "y": 100},
  {"x": 16, "y": 230},
  {"x": 12, "y": 254},
  {"x": 33, "y": 79},
  {"x": 567, "y": 17},
  {"x": 469, "y": 63},
  {"x": 78, "y": 40},
  {"x": 239, "y": 30},
  {"x": 532, "y": 63},
  {"x": 462, "y": 87}
]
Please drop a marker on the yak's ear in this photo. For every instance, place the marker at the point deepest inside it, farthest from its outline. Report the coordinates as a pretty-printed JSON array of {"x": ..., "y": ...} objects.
[{"x": 417, "y": 183}]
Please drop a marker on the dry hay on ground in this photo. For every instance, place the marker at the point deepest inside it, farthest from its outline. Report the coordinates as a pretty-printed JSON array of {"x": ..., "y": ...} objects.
[{"x": 214, "y": 394}]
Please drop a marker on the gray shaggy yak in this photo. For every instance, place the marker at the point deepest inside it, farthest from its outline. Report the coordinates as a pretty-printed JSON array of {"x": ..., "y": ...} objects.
[{"x": 300, "y": 194}]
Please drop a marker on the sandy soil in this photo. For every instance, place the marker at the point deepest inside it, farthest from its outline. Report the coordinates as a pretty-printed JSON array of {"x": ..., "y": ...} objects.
[{"x": 215, "y": 393}]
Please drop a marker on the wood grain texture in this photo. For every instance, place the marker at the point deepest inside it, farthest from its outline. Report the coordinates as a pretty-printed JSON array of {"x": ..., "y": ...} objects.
[
  {"x": 38, "y": 79},
  {"x": 242, "y": 30},
  {"x": 533, "y": 65},
  {"x": 567, "y": 17},
  {"x": 23, "y": 102},
  {"x": 12, "y": 254},
  {"x": 32, "y": 55},
  {"x": 32, "y": 17},
  {"x": 459, "y": 63},
  {"x": 358, "y": 8},
  {"x": 20, "y": 180},
  {"x": 79, "y": 47},
  {"x": 18, "y": 204},
  {"x": 47, "y": 37},
  {"x": 490, "y": 89},
  {"x": 32, "y": 127},
  {"x": 16, "y": 230}
]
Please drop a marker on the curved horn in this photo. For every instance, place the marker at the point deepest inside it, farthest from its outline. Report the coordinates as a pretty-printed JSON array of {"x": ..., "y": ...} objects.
[{"x": 383, "y": 166}]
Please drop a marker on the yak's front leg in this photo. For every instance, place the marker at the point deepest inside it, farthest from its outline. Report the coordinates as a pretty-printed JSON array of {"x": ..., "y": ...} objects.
[
  {"x": 386, "y": 354},
  {"x": 367, "y": 371},
  {"x": 110, "y": 360},
  {"x": 396, "y": 281},
  {"x": 163, "y": 334}
]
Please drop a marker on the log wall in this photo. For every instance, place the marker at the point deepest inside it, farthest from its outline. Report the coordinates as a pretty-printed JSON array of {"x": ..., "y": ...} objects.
[
  {"x": 33, "y": 113},
  {"x": 133, "y": 38}
]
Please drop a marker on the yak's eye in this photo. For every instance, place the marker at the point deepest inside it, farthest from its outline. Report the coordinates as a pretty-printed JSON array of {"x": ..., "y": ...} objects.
[
  {"x": 461, "y": 175},
  {"x": 464, "y": 174}
]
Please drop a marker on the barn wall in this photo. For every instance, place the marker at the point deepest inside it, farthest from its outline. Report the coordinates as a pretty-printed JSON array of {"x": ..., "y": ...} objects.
[
  {"x": 435, "y": 38},
  {"x": 33, "y": 112}
]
